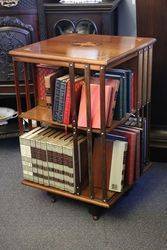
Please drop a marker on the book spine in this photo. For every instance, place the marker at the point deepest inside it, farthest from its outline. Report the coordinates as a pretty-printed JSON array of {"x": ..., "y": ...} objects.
[
  {"x": 118, "y": 169},
  {"x": 119, "y": 103},
  {"x": 58, "y": 166},
  {"x": 56, "y": 100},
  {"x": 69, "y": 175},
  {"x": 34, "y": 161},
  {"x": 44, "y": 168},
  {"x": 67, "y": 108},
  {"x": 124, "y": 106},
  {"x": 61, "y": 105},
  {"x": 50, "y": 166}
]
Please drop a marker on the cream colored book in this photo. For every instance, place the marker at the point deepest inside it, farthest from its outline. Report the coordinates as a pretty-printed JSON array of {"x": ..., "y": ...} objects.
[
  {"x": 34, "y": 153},
  {"x": 44, "y": 170},
  {"x": 25, "y": 149},
  {"x": 118, "y": 166},
  {"x": 55, "y": 146},
  {"x": 41, "y": 158},
  {"x": 52, "y": 162}
]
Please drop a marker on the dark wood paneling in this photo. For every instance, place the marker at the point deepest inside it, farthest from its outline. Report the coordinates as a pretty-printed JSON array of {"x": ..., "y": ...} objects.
[
  {"x": 104, "y": 15},
  {"x": 151, "y": 22}
]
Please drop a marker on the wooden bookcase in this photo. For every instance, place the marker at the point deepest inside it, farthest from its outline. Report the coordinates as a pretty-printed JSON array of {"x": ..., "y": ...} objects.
[{"x": 87, "y": 53}]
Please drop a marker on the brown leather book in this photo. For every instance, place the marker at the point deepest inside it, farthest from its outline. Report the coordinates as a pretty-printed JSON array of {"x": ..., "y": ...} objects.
[{"x": 97, "y": 156}]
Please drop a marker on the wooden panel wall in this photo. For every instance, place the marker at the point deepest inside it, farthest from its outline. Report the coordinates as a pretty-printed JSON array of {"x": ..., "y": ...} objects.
[{"x": 151, "y": 22}]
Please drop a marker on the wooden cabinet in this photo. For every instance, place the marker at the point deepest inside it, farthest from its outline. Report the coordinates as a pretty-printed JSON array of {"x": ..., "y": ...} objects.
[
  {"x": 108, "y": 52},
  {"x": 101, "y": 15}
]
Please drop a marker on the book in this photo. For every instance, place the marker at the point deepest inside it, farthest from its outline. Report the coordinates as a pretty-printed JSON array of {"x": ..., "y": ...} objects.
[
  {"x": 26, "y": 153},
  {"x": 114, "y": 83},
  {"x": 49, "y": 86},
  {"x": 42, "y": 71},
  {"x": 121, "y": 101},
  {"x": 35, "y": 153},
  {"x": 130, "y": 170},
  {"x": 56, "y": 106},
  {"x": 138, "y": 132},
  {"x": 42, "y": 160},
  {"x": 79, "y": 82},
  {"x": 95, "y": 105},
  {"x": 118, "y": 165},
  {"x": 55, "y": 161},
  {"x": 115, "y": 163},
  {"x": 55, "y": 146},
  {"x": 69, "y": 164}
]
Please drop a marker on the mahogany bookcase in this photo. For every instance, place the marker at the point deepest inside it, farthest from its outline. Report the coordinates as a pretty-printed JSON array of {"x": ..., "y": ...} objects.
[{"x": 87, "y": 53}]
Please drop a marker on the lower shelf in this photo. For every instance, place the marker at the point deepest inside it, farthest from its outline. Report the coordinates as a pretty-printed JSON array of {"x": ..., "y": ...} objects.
[{"x": 112, "y": 196}]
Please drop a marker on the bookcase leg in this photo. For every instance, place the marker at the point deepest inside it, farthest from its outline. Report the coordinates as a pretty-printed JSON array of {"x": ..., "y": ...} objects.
[
  {"x": 53, "y": 197},
  {"x": 95, "y": 211}
]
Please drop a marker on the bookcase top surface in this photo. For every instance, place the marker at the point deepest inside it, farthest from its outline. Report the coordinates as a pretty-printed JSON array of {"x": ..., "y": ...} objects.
[{"x": 79, "y": 48}]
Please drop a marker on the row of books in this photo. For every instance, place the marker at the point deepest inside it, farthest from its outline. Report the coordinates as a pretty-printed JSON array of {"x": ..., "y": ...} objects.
[
  {"x": 119, "y": 97},
  {"x": 123, "y": 158},
  {"x": 48, "y": 158}
]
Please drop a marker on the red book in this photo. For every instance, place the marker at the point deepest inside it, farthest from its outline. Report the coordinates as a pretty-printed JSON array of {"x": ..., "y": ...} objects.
[
  {"x": 95, "y": 104},
  {"x": 137, "y": 149},
  {"x": 42, "y": 71},
  {"x": 130, "y": 169},
  {"x": 67, "y": 109}
]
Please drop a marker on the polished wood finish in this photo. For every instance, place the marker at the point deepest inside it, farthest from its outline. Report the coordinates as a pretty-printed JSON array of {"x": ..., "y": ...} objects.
[
  {"x": 44, "y": 114},
  {"x": 74, "y": 124},
  {"x": 89, "y": 130},
  {"x": 91, "y": 49},
  {"x": 85, "y": 51},
  {"x": 112, "y": 196}
]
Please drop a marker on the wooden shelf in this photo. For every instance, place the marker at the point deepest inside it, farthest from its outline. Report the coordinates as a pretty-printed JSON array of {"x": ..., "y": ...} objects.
[
  {"x": 44, "y": 114},
  {"x": 112, "y": 196}
]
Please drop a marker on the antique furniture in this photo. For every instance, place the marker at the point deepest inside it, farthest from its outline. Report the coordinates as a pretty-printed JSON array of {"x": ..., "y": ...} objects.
[
  {"x": 98, "y": 18},
  {"x": 97, "y": 53}
]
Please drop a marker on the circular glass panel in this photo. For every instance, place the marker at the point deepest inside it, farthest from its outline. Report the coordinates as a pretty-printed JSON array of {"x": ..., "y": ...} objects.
[
  {"x": 86, "y": 27},
  {"x": 63, "y": 27}
]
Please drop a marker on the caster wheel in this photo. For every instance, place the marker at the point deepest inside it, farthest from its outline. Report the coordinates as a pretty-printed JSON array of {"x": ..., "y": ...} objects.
[
  {"x": 95, "y": 217},
  {"x": 53, "y": 200}
]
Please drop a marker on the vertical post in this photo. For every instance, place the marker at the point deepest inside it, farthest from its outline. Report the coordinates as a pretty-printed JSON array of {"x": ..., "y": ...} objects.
[
  {"x": 74, "y": 125},
  {"x": 34, "y": 80},
  {"x": 18, "y": 99},
  {"x": 144, "y": 95},
  {"x": 27, "y": 91},
  {"x": 148, "y": 106},
  {"x": 89, "y": 130},
  {"x": 139, "y": 85},
  {"x": 103, "y": 131}
]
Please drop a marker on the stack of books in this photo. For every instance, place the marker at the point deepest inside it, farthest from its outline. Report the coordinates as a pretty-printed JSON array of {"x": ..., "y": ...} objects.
[{"x": 48, "y": 158}]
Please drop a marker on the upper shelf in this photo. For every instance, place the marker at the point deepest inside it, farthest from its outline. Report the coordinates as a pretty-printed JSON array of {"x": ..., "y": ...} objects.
[
  {"x": 44, "y": 114},
  {"x": 81, "y": 48}
]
